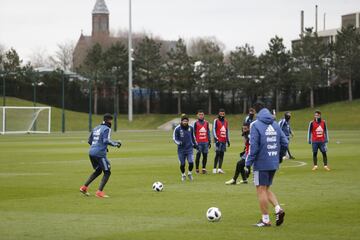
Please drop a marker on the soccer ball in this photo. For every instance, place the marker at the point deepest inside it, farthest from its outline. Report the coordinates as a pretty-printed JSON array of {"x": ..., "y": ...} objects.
[
  {"x": 213, "y": 214},
  {"x": 158, "y": 186}
]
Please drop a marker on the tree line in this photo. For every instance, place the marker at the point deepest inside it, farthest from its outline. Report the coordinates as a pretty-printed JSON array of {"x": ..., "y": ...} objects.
[{"x": 200, "y": 75}]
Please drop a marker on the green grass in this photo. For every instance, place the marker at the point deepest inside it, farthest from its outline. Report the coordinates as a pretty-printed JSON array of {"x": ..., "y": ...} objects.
[
  {"x": 40, "y": 176},
  {"x": 339, "y": 116}
]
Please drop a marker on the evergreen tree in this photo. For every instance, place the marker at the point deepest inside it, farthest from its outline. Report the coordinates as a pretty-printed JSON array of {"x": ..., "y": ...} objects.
[
  {"x": 148, "y": 66},
  {"x": 180, "y": 70},
  {"x": 347, "y": 56},
  {"x": 278, "y": 66}
]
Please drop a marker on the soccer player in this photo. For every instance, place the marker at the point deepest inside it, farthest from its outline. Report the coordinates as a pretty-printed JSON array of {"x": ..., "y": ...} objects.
[
  {"x": 285, "y": 127},
  {"x": 99, "y": 140},
  {"x": 221, "y": 138},
  {"x": 202, "y": 136},
  {"x": 250, "y": 117},
  {"x": 240, "y": 165},
  {"x": 318, "y": 137},
  {"x": 266, "y": 140},
  {"x": 183, "y": 137}
]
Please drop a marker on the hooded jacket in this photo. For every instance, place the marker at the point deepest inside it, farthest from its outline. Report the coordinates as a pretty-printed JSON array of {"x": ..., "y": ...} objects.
[{"x": 266, "y": 140}]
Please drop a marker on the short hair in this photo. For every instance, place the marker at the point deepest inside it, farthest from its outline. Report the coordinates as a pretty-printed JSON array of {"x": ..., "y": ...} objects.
[
  {"x": 251, "y": 110},
  {"x": 221, "y": 110},
  {"x": 246, "y": 124},
  {"x": 258, "y": 106},
  {"x": 200, "y": 111},
  {"x": 184, "y": 116},
  {"x": 107, "y": 117},
  {"x": 318, "y": 112},
  {"x": 287, "y": 113}
]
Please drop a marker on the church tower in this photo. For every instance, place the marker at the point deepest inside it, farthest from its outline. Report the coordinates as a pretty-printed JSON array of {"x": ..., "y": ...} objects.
[{"x": 100, "y": 20}]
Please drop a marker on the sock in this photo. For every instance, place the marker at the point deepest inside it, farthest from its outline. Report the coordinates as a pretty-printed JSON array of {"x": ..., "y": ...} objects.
[
  {"x": 325, "y": 158},
  {"x": 182, "y": 168},
  {"x": 93, "y": 176},
  {"x": 104, "y": 180},
  {"x": 216, "y": 160},
  {"x": 191, "y": 166},
  {"x": 315, "y": 158},
  {"x": 204, "y": 161},
  {"x": 241, "y": 166},
  {"x": 265, "y": 218},
  {"x": 221, "y": 159},
  {"x": 277, "y": 208},
  {"x": 288, "y": 150},
  {"x": 237, "y": 170},
  {"x": 197, "y": 160}
]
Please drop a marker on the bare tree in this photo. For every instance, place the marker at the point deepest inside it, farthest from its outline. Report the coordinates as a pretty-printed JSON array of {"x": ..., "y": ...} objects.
[
  {"x": 39, "y": 58},
  {"x": 63, "y": 57}
]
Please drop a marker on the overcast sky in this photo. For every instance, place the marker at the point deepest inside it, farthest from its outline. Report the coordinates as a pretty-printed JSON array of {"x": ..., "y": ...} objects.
[{"x": 30, "y": 25}]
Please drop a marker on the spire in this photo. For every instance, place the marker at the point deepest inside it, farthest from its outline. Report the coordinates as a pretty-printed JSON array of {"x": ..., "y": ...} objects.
[{"x": 100, "y": 7}]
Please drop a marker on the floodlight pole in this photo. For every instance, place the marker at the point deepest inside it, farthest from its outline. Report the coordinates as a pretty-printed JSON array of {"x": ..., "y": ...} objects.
[
  {"x": 63, "y": 104},
  {"x": 130, "y": 97},
  {"x": 34, "y": 93},
  {"x": 4, "y": 92},
  {"x": 116, "y": 100},
  {"x": 90, "y": 110}
]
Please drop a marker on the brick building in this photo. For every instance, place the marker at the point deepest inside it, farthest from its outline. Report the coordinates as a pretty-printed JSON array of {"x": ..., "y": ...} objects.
[{"x": 101, "y": 34}]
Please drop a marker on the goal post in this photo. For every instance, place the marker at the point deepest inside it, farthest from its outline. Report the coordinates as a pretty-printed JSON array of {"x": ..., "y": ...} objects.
[{"x": 25, "y": 120}]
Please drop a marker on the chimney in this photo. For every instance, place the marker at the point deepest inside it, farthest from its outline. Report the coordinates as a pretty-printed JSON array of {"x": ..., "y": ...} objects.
[
  {"x": 324, "y": 21},
  {"x": 302, "y": 23},
  {"x": 316, "y": 18}
]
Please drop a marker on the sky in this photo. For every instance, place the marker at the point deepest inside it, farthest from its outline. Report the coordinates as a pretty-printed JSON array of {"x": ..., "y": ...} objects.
[{"x": 39, "y": 25}]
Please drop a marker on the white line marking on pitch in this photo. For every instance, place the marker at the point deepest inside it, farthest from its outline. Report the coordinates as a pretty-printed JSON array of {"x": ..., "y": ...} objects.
[
  {"x": 300, "y": 164},
  {"x": 23, "y": 174}
]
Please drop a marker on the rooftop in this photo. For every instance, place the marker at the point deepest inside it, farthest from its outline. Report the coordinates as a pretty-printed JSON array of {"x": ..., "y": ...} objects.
[{"x": 100, "y": 7}]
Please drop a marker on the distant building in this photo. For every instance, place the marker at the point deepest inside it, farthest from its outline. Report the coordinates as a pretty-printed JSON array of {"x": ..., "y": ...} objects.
[
  {"x": 329, "y": 35},
  {"x": 100, "y": 34}
]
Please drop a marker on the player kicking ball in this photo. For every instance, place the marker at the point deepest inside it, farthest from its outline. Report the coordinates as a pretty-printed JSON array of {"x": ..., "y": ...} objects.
[
  {"x": 202, "y": 136},
  {"x": 240, "y": 165},
  {"x": 318, "y": 137},
  {"x": 99, "y": 140},
  {"x": 183, "y": 137}
]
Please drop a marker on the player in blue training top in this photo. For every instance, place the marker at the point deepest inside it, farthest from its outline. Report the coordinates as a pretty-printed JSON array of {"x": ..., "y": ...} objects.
[
  {"x": 99, "y": 140},
  {"x": 183, "y": 137},
  {"x": 250, "y": 117},
  {"x": 267, "y": 142},
  {"x": 285, "y": 127}
]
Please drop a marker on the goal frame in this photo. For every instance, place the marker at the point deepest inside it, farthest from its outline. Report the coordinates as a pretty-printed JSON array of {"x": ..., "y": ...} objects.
[{"x": 3, "y": 130}]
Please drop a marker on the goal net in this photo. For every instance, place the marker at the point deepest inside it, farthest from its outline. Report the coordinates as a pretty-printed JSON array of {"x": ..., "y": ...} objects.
[{"x": 25, "y": 120}]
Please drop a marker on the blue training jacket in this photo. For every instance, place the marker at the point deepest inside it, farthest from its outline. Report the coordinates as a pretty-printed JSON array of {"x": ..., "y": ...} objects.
[
  {"x": 184, "y": 138},
  {"x": 266, "y": 140},
  {"x": 285, "y": 127},
  {"x": 99, "y": 139}
]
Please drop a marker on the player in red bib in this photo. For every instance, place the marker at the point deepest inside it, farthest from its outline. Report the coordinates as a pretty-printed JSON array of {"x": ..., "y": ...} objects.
[
  {"x": 318, "y": 137},
  {"x": 240, "y": 165},
  {"x": 221, "y": 138},
  {"x": 202, "y": 136}
]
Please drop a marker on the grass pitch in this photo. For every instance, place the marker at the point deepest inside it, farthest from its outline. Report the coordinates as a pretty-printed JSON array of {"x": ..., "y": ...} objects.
[
  {"x": 335, "y": 115},
  {"x": 40, "y": 176}
]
